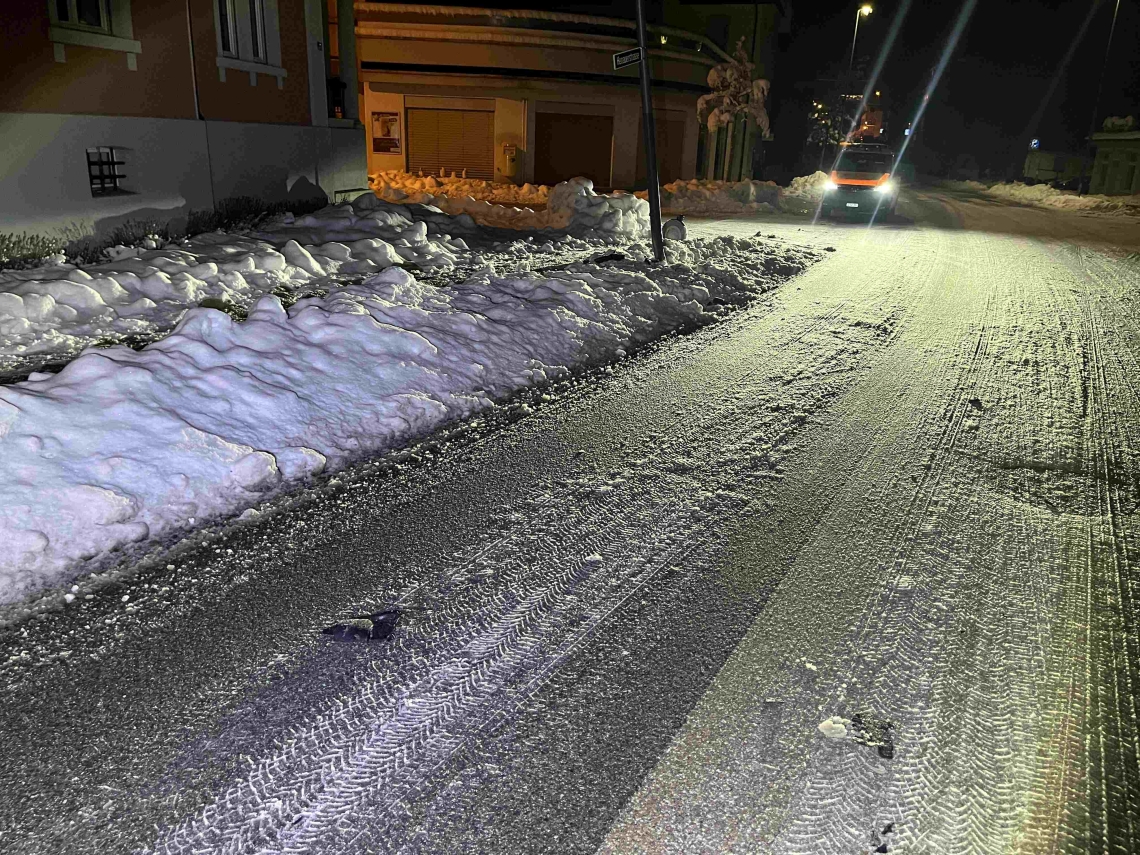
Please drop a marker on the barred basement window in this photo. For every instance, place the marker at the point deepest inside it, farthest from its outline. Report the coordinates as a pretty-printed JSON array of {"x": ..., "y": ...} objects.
[{"x": 103, "y": 171}]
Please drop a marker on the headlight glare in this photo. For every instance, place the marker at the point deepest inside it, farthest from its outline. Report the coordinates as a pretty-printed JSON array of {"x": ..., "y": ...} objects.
[
  {"x": 885, "y": 187},
  {"x": 828, "y": 186}
]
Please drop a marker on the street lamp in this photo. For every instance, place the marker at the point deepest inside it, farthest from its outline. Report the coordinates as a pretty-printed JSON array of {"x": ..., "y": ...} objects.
[{"x": 862, "y": 12}]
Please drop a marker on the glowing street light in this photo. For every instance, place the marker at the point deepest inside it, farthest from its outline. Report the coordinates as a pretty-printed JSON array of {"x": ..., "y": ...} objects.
[{"x": 862, "y": 12}]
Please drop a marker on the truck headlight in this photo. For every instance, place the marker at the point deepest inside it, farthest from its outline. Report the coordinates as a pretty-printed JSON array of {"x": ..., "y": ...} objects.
[
  {"x": 885, "y": 187},
  {"x": 828, "y": 186}
]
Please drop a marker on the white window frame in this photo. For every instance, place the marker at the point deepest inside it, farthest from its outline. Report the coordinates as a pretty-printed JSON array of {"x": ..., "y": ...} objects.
[
  {"x": 257, "y": 30},
  {"x": 232, "y": 50},
  {"x": 117, "y": 34},
  {"x": 73, "y": 22},
  {"x": 244, "y": 16}
]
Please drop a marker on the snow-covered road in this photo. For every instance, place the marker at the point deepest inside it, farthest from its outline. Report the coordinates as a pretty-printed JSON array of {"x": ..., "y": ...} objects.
[{"x": 896, "y": 498}]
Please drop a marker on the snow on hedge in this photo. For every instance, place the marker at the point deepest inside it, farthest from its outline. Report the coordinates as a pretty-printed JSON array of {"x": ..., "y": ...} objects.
[
  {"x": 394, "y": 185},
  {"x": 571, "y": 206},
  {"x": 700, "y": 197},
  {"x": 60, "y": 308},
  {"x": 122, "y": 446},
  {"x": 496, "y": 204}
]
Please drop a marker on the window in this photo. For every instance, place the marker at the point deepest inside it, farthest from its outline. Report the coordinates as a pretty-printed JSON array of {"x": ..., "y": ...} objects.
[
  {"x": 864, "y": 161},
  {"x": 103, "y": 24},
  {"x": 248, "y": 38},
  {"x": 103, "y": 171},
  {"x": 226, "y": 27},
  {"x": 257, "y": 29},
  {"x": 92, "y": 15}
]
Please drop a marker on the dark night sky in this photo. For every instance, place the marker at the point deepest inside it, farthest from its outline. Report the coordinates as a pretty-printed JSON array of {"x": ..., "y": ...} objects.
[{"x": 999, "y": 74}]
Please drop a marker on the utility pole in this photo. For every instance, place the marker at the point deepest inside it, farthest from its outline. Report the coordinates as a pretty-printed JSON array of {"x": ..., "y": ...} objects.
[
  {"x": 650, "y": 138},
  {"x": 1096, "y": 101}
]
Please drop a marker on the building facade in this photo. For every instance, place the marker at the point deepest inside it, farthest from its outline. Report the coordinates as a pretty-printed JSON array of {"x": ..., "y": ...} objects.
[
  {"x": 531, "y": 95},
  {"x": 123, "y": 109},
  {"x": 1114, "y": 171},
  {"x": 1049, "y": 166}
]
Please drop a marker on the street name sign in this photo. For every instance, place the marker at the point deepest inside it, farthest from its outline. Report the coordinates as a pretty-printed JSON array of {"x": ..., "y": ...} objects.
[{"x": 627, "y": 57}]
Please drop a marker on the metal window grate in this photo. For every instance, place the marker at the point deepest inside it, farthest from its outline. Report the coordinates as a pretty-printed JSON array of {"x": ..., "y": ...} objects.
[{"x": 103, "y": 171}]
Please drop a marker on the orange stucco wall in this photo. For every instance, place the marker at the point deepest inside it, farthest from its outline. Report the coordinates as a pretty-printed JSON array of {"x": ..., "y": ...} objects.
[
  {"x": 98, "y": 82},
  {"x": 93, "y": 80},
  {"x": 235, "y": 100}
]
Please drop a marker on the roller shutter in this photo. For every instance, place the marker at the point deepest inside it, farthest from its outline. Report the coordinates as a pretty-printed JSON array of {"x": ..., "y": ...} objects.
[
  {"x": 569, "y": 145},
  {"x": 451, "y": 140}
]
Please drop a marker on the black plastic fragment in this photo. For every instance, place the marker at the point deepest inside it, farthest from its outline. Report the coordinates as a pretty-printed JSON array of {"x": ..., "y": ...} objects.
[
  {"x": 383, "y": 624},
  {"x": 612, "y": 256}
]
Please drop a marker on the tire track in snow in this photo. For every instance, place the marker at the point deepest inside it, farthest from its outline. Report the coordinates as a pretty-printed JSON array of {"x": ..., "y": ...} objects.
[
  {"x": 969, "y": 641},
  {"x": 350, "y": 757}
]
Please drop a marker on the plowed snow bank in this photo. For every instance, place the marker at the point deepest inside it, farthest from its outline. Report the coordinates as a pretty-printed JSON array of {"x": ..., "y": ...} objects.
[{"x": 125, "y": 445}]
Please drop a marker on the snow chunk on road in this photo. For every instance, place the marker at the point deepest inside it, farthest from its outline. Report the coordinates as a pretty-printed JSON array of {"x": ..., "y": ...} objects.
[
  {"x": 834, "y": 727},
  {"x": 124, "y": 445}
]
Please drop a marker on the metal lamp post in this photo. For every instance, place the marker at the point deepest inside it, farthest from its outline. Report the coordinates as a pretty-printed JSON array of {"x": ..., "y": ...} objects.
[
  {"x": 649, "y": 128},
  {"x": 862, "y": 12}
]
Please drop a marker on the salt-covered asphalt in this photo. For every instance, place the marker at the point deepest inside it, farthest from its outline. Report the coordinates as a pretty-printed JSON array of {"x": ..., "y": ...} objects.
[{"x": 898, "y": 496}]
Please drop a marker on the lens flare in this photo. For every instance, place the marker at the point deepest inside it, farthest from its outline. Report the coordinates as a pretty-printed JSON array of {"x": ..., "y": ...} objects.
[
  {"x": 872, "y": 81},
  {"x": 951, "y": 43}
]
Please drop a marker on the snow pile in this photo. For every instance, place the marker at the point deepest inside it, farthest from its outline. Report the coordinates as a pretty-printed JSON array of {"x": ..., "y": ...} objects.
[
  {"x": 122, "y": 445},
  {"x": 697, "y": 196},
  {"x": 571, "y": 205},
  {"x": 1045, "y": 196},
  {"x": 58, "y": 309},
  {"x": 806, "y": 187},
  {"x": 396, "y": 186},
  {"x": 1118, "y": 123},
  {"x": 575, "y": 206}
]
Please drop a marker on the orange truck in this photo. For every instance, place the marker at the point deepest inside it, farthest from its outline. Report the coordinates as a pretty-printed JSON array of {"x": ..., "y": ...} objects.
[{"x": 861, "y": 182}]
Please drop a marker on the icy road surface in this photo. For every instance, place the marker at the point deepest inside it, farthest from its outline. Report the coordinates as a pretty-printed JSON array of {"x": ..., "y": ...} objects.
[{"x": 852, "y": 571}]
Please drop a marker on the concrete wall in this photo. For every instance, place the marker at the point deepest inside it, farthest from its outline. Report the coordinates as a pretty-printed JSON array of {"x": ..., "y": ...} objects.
[
  {"x": 510, "y": 129},
  {"x": 172, "y": 166}
]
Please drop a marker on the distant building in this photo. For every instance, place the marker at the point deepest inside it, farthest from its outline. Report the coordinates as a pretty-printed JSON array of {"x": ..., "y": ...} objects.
[
  {"x": 531, "y": 95},
  {"x": 1114, "y": 171},
  {"x": 145, "y": 109},
  {"x": 1049, "y": 166}
]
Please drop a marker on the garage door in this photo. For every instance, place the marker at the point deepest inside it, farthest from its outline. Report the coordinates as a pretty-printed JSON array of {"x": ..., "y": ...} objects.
[
  {"x": 451, "y": 140},
  {"x": 670, "y": 149},
  {"x": 567, "y": 145}
]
